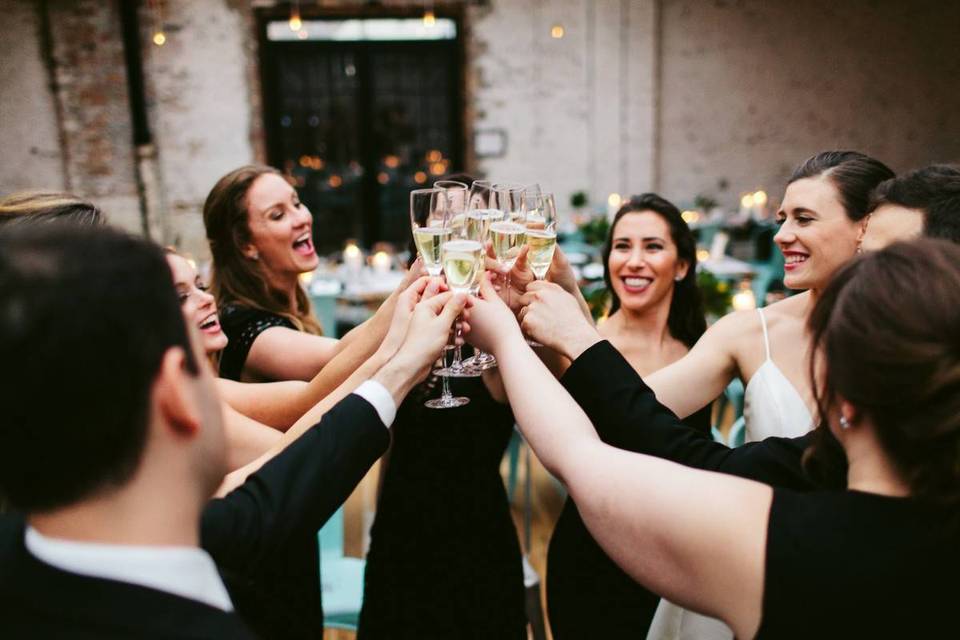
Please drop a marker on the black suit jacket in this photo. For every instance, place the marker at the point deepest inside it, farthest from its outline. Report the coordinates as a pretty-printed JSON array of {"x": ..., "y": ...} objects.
[
  {"x": 40, "y": 601},
  {"x": 263, "y": 535},
  {"x": 626, "y": 415}
]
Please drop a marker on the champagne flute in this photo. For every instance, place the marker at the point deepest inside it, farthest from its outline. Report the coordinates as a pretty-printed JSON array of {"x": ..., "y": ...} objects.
[
  {"x": 541, "y": 225},
  {"x": 463, "y": 267},
  {"x": 508, "y": 234},
  {"x": 456, "y": 194},
  {"x": 479, "y": 219},
  {"x": 428, "y": 212}
]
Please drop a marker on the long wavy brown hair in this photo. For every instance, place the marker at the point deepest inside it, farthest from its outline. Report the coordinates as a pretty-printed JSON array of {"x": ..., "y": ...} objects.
[{"x": 237, "y": 280}]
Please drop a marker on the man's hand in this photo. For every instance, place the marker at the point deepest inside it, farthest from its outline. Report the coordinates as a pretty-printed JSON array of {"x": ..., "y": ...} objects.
[
  {"x": 489, "y": 322},
  {"x": 426, "y": 336},
  {"x": 553, "y": 317}
]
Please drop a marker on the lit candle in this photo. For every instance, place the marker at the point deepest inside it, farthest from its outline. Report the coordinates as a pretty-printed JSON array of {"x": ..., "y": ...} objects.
[
  {"x": 381, "y": 262},
  {"x": 746, "y": 206},
  {"x": 744, "y": 298},
  {"x": 613, "y": 204},
  {"x": 760, "y": 204},
  {"x": 353, "y": 258}
]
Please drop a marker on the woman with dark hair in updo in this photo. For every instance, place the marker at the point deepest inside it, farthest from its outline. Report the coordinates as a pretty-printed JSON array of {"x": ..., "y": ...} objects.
[
  {"x": 656, "y": 316},
  {"x": 878, "y": 555}
]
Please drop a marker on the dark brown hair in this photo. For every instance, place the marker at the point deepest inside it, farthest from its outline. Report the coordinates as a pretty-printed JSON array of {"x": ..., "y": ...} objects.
[
  {"x": 686, "y": 320},
  {"x": 236, "y": 279},
  {"x": 853, "y": 174},
  {"x": 934, "y": 190},
  {"x": 887, "y": 330}
]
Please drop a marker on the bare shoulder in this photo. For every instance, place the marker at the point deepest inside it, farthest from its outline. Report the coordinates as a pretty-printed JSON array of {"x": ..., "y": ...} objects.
[{"x": 788, "y": 314}]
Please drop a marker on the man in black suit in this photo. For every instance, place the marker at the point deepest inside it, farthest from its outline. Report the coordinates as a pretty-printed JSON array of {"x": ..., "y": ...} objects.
[
  {"x": 113, "y": 444},
  {"x": 625, "y": 411}
]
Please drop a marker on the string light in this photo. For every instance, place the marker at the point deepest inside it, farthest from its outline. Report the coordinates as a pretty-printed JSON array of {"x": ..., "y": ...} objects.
[
  {"x": 159, "y": 37},
  {"x": 557, "y": 31},
  {"x": 296, "y": 24},
  {"x": 429, "y": 18}
]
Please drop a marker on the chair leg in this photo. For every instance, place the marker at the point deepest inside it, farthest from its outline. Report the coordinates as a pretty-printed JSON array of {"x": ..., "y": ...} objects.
[{"x": 534, "y": 610}]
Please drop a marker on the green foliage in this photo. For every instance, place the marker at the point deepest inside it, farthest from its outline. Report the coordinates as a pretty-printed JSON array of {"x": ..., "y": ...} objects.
[
  {"x": 594, "y": 231},
  {"x": 704, "y": 203},
  {"x": 578, "y": 199},
  {"x": 598, "y": 299},
  {"x": 716, "y": 294}
]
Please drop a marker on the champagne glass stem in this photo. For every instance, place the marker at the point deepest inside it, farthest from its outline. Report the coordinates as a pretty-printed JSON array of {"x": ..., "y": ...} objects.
[{"x": 445, "y": 393}]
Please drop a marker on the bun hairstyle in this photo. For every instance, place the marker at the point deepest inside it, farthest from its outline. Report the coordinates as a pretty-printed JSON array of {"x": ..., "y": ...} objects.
[
  {"x": 853, "y": 174},
  {"x": 887, "y": 330},
  {"x": 235, "y": 279},
  {"x": 686, "y": 321}
]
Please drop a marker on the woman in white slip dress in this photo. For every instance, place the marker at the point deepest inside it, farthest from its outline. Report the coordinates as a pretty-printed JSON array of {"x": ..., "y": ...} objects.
[{"x": 823, "y": 217}]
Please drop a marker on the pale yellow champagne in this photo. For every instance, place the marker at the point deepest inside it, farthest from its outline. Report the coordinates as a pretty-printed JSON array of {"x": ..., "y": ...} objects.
[
  {"x": 508, "y": 238},
  {"x": 429, "y": 241},
  {"x": 463, "y": 264},
  {"x": 479, "y": 221},
  {"x": 542, "y": 244}
]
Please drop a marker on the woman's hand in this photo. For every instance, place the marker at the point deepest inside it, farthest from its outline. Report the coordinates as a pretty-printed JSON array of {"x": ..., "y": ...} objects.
[
  {"x": 420, "y": 289},
  {"x": 488, "y": 321},
  {"x": 561, "y": 272},
  {"x": 520, "y": 276},
  {"x": 426, "y": 337}
]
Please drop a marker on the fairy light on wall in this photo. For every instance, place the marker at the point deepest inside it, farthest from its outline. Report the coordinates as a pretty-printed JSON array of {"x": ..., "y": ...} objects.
[
  {"x": 429, "y": 17},
  {"x": 296, "y": 24},
  {"x": 159, "y": 37}
]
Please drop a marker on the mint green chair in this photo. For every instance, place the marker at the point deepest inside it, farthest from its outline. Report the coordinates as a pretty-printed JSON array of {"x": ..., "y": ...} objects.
[{"x": 341, "y": 577}]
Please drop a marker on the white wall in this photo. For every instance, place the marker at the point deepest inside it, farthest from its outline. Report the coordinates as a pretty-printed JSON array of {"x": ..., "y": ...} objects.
[
  {"x": 752, "y": 87},
  {"x": 200, "y": 107},
  {"x": 29, "y": 138},
  {"x": 578, "y": 111}
]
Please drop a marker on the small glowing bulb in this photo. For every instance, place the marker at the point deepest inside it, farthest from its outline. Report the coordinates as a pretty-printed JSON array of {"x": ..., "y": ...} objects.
[
  {"x": 614, "y": 200},
  {"x": 744, "y": 298},
  {"x": 351, "y": 250},
  {"x": 702, "y": 255},
  {"x": 747, "y": 201},
  {"x": 557, "y": 31},
  {"x": 306, "y": 277},
  {"x": 689, "y": 216},
  {"x": 159, "y": 38},
  {"x": 429, "y": 19},
  {"x": 295, "y": 22},
  {"x": 419, "y": 177},
  {"x": 760, "y": 198}
]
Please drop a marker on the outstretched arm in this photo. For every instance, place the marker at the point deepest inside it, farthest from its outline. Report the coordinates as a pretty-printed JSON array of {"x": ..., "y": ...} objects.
[
  {"x": 279, "y": 353},
  {"x": 695, "y": 537},
  {"x": 554, "y": 318}
]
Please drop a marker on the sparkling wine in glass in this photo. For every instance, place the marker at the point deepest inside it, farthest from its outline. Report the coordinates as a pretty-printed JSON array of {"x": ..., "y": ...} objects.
[{"x": 428, "y": 213}]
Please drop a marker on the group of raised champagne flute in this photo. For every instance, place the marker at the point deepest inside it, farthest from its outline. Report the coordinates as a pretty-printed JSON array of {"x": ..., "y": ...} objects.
[{"x": 454, "y": 225}]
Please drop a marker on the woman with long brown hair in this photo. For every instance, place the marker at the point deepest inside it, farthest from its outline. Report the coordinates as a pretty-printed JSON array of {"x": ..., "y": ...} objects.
[{"x": 261, "y": 239}]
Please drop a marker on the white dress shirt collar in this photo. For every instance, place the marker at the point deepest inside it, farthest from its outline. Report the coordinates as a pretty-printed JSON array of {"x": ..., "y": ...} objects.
[{"x": 188, "y": 572}]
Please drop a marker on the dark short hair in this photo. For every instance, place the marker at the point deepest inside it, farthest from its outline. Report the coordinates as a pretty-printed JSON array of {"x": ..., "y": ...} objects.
[
  {"x": 853, "y": 174},
  {"x": 888, "y": 331},
  {"x": 686, "y": 321},
  {"x": 86, "y": 315},
  {"x": 934, "y": 190}
]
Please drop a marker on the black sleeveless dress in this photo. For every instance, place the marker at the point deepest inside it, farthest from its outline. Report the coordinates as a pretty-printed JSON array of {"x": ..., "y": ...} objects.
[
  {"x": 242, "y": 326},
  {"x": 444, "y": 558},
  {"x": 588, "y": 595}
]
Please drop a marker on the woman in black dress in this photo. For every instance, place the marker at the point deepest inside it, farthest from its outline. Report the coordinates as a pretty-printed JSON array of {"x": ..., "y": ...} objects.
[
  {"x": 878, "y": 559},
  {"x": 653, "y": 324},
  {"x": 444, "y": 559}
]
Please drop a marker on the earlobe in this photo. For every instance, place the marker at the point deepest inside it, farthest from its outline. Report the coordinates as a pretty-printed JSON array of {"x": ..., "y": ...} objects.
[
  {"x": 250, "y": 252},
  {"x": 681, "y": 273},
  {"x": 174, "y": 394}
]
